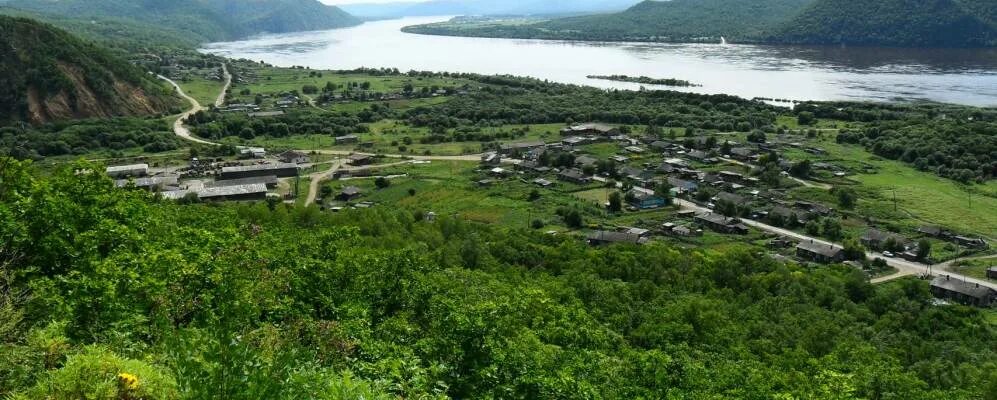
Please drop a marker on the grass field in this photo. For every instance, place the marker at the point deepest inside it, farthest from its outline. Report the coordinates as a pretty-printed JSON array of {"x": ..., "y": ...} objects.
[
  {"x": 203, "y": 90},
  {"x": 277, "y": 80}
]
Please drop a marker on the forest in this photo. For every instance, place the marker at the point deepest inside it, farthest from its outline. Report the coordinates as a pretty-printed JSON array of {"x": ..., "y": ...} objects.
[
  {"x": 957, "y": 143},
  {"x": 906, "y": 23},
  {"x": 83, "y": 137},
  {"x": 116, "y": 294}
]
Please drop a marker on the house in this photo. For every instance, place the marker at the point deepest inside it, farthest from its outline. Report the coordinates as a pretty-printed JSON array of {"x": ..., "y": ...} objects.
[
  {"x": 877, "y": 239},
  {"x": 125, "y": 171},
  {"x": 599, "y": 238},
  {"x": 729, "y": 176},
  {"x": 520, "y": 148},
  {"x": 660, "y": 146},
  {"x": 722, "y": 224},
  {"x": 348, "y": 139},
  {"x": 677, "y": 162},
  {"x": 294, "y": 157},
  {"x": 574, "y": 176},
  {"x": 265, "y": 114},
  {"x": 634, "y": 149},
  {"x": 731, "y": 198},
  {"x": 666, "y": 168},
  {"x": 814, "y": 208},
  {"x": 645, "y": 199},
  {"x": 820, "y": 252},
  {"x": 574, "y": 141},
  {"x": 349, "y": 193},
  {"x": 485, "y": 183},
  {"x": 248, "y": 171},
  {"x": 253, "y": 191},
  {"x": 963, "y": 292},
  {"x": 253, "y": 152},
  {"x": 543, "y": 182},
  {"x": 685, "y": 231},
  {"x": 491, "y": 158},
  {"x": 971, "y": 242},
  {"x": 786, "y": 216},
  {"x": 619, "y": 159},
  {"x": 698, "y": 155},
  {"x": 636, "y": 174},
  {"x": 156, "y": 183},
  {"x": 360, "y": 159},
  {"x": 590, "y": 129},
  {"x": 992, "y": 273},
  {"x": 741, "y": 153},
  {"x": 531, "y": 166},
  {"x": 498, "y": 172},
  {"x": 681, "y": 186},
  {"x": 586, "y": 161},
  {"x": 270, "y": 181},
  {"x": 934, "y": 231}
]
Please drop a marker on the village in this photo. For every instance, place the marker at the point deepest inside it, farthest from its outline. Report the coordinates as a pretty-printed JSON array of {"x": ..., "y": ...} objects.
[{"x": 681, "y": 187}]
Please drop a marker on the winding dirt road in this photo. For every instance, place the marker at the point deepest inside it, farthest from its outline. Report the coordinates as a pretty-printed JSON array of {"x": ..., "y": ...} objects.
[{"x": 178, "y": 127}]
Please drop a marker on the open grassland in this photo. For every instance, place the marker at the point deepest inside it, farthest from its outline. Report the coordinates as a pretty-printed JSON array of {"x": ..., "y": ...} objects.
[
  {"x": 203, "y": 90},
  {"x": 278, "y": 80}
]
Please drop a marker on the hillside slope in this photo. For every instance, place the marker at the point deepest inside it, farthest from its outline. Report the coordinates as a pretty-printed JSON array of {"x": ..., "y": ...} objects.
[
  {"x": 47, "y": 74},
  {"x": 676, "y": 20},
  {"x": 930, "y": 23},
  {"x": 204, "y": 20}
]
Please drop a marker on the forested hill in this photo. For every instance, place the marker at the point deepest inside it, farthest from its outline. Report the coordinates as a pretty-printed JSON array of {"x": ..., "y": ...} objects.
[
  {"x": 950, "y": 23},
  {"x": 685, "y": 20},
  {"x": 47, "y": 74},
  {"x": 926, "y": 23},
  {"x": 676, "y": 21},
  {"x": 203, "y": 20}
]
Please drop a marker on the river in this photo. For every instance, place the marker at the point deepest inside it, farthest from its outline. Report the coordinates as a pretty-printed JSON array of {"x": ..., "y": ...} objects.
[{"x": 960, "y": 76}]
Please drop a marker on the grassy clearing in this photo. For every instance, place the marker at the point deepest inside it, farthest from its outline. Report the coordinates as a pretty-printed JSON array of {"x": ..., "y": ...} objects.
[
  {"x": 203, "y": 90},
  {"x": 277, "y": 80},
  {"x": 974, "y": 268}
]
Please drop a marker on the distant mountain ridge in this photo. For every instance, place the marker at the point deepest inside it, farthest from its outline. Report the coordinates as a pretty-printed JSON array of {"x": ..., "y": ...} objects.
[
  {"x": 931, "y": 23},
  {"x": 483, "y": 7},
  {"x": 204, "y": 20},
  {"x": 47, "y": 74}
]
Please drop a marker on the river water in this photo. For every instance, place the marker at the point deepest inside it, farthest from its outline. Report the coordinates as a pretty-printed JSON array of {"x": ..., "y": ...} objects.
[{"x": 961, "y": 76}]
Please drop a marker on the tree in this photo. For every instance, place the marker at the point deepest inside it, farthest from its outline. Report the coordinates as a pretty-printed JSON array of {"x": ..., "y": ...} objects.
[
  {"x": 756, "y": 136},
  {"x": 805, "y": 118},
  {"x": 853, "y": 250},
  {"x": 615, "y": 202},
  {"x": 846, "y": 197},
  {"x": 537, "y": 224},
  {"x": 664, "y": 191},
  {"x": 573, "y": 219},
  {"x": 801, "y": 169},
  {"x": 923, "y": 249},
  {"x": 325, "y": 192},
  {"x": 831, "y": 228},
  {"x": 534, "y": 195},
  {"x": 411, "y": 192},
  {"x": 382, "y": 182}
]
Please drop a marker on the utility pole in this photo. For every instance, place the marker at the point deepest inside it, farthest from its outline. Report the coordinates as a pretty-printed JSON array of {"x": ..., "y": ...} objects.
[{"x": 894, "y": 200}]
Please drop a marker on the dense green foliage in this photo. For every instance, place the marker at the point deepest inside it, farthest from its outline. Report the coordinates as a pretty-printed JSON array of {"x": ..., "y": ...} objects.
[
  {"x": 46, "y": 62},
  {"x": 511, "y": 100},
  {"x": 954, "y": 142},
  {"x": 669, "y": 21},
  {"x": 86, "y": 136},
  {"x": 255, "y": 301},
  {"x": 204, "y": 20},
  {"x": 923, "y": 23},
  {"x": 949, "y": 23}
]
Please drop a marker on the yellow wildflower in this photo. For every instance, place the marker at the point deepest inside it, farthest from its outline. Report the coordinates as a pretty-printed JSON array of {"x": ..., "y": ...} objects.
[{"x": 128, "y": 381}]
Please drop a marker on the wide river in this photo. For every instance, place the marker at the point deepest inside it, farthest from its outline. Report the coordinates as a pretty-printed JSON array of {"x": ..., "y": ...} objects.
[{"x": 962, "y": 76}]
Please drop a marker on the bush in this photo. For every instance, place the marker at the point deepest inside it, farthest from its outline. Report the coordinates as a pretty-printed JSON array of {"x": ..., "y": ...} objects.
[{"x": 99, "y": 374}]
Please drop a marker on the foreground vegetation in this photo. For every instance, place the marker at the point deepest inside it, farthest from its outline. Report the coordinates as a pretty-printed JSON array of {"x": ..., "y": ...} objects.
[{"x": 272, "y": 301}]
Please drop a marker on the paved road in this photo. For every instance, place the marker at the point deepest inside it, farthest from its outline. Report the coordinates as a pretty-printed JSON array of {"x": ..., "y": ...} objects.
[
  {"x": 178, "y": 127},
  {"x": 904, "y": 267}
]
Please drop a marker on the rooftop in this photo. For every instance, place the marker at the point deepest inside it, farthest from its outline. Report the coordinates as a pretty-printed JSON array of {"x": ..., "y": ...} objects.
[{"x": 258, "y": 167}]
